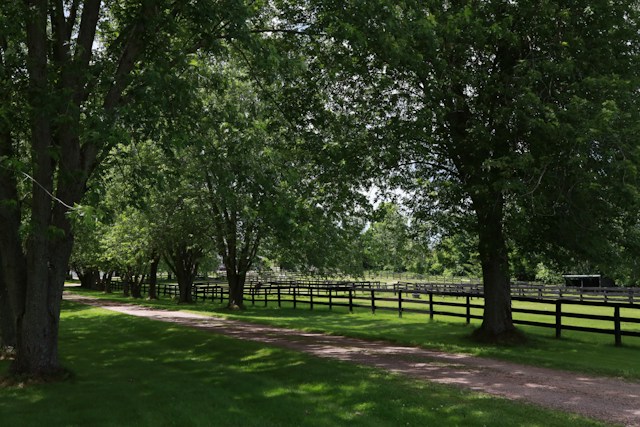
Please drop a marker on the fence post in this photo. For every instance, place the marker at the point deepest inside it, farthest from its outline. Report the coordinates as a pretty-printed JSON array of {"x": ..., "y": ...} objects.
[
  {"x": 468, "y": 311},
  {"x": 373, "y": 302},
  {"x": 616, "y": 320},
  {"x": 253, "y": 295},
  {"x": 558, "y": 318},
  {"x": 265, "y": 297},
  {"x": 295, "y": 302},
  {"x": 399, "y": 303},
  {"x": 330, "y": 300},
  {"x": 350, "y": 301},
  {"x": 431, "y": 305},
  {"x": 279, "y": 300},
  {"x": 310, "y": 298}
]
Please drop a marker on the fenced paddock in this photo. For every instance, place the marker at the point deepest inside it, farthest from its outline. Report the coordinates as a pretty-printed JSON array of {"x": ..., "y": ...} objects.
[{"x": 608, "y": 311}]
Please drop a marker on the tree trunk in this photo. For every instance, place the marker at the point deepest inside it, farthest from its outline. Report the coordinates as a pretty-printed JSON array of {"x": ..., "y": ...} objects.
[
  {"x": 153, "y": 277},
  {"x": 38, "y": 318},
  {"x": 236, "y": 289},
  {"x": 105, "y": 282},
  {"x": 126, "y": 284},
  {"x": 183, "y": 261},
  {"x": 60, "y": 165},
  {"x": 136, "y": 286},
  {"x": 47, "y": 255},
  {"x": 7, "y": 318},
  {"x": 89, "y": 278},
  {"x": 185, "y": 285},
  {"x": 497, "y": 324}
]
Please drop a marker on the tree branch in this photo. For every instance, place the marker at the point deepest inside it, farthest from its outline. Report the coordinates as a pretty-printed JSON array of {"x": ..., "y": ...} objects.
[{"x": 71, "y": 21}]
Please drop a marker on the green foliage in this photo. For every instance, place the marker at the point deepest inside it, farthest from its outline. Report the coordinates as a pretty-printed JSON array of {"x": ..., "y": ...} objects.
[
  {"x": 399, "y": 242},
  {"x": 386, "y": 242},
  {"x": 524, "y": 110},
  {"x": 125, "y": 243},
  {"x": 547, "y": 276}
]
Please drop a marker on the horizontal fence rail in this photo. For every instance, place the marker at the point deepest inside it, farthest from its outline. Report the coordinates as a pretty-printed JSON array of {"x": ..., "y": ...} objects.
[{"x": 431, "y": 299}]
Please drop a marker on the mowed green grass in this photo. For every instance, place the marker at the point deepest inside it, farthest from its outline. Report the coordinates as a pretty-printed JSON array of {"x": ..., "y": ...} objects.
[
  {"x": 576, "y": 351},
  {"x": 139, "y": 372}
]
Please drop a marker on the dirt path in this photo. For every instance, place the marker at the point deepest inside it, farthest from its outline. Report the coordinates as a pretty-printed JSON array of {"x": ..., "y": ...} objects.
[{"x": 606, "y": 399}]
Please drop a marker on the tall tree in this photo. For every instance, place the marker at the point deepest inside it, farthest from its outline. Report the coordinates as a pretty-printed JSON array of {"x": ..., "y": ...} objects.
[
  {"x": 82, "y": 61},
  {"x": 261, "y": 190},
  {"x": 511, "y": 111}
]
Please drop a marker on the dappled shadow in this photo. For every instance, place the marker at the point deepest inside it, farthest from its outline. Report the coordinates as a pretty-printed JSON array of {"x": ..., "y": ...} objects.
[
  {"x": 554, "y": 389},
  {"x": 137, "y": 371}
]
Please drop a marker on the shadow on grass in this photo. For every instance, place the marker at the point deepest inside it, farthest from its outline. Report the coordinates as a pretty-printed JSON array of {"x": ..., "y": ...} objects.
[
  {"x": 581, "y": 352},
  {"x": 132, "y": 371}
]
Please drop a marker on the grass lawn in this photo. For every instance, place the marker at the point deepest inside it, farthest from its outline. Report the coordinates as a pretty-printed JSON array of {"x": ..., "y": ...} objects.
[
  {"x": 134, "y": 371},
  {"x": 577, "y": 351}
]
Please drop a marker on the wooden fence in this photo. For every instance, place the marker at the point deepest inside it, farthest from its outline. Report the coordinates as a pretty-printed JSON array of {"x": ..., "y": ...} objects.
[
  {"x": 459, "y": 300},
  {"x": 402, "y": 301},
  {"x": 530, "y": 290}
]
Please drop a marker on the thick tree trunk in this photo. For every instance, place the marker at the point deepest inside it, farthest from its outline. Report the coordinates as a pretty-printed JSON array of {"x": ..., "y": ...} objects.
[
  {"x": 183, "y": 262},
  {"x": 7, "y": 318},
  {"x": 136, "y": 286},
  {"x": 185, "y": 286},
  {"x": 38, "y": 318},
  {"x": 153, "y": 277},
  {"x": 60, "y": 166},
  {"x": 37, "y": 344},
  {"x": 497, "y": 323},
  {"x": 236, "y": 289},
  {"x": 38, "y": 315},
  {"x": 89, "y": 278}
]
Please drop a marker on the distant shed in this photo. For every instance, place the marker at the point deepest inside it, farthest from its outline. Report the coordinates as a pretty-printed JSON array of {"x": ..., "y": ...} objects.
[{"x": 588, "y": 281}]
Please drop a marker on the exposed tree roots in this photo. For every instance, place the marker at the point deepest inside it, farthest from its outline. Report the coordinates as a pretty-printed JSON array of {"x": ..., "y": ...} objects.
[
  {"x": 7, "y": 353},
  {"x": 22, "y": 380}
]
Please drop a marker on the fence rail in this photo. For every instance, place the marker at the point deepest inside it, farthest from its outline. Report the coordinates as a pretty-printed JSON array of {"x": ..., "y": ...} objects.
[{"x": 456, "y": 300}]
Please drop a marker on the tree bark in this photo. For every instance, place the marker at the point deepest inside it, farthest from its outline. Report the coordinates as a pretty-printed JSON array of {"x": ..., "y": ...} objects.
[
  {"x": 185, "y": 285},
  {"x": 153, "y": 277},
  {"x": 136, "y": 286},
  {"x": 89, "y": 278},
  {"x": 105, "y": 282},
  {"x": 37, "y": 317},
  {"x": 7, "y": 318},
  {"x": 183, "y": 261},
  {"x": 60, "y": 165},
  {"x": 497, "y": 324},
  {"x": 126, "y": 284},
  {"x": 236, "y": 289}
]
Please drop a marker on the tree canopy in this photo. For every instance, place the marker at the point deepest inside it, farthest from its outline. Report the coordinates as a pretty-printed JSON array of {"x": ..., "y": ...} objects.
[{"x": 262, "y": 124}]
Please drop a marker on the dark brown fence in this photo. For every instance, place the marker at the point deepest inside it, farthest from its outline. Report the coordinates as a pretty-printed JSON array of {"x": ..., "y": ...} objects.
[
  {"x": 402, "y": 301},
  {"x": 418, "y": 298}
]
